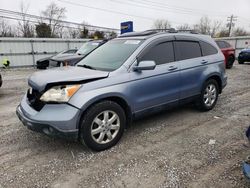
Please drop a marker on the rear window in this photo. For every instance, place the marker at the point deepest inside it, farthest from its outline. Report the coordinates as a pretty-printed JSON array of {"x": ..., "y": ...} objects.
[
  {"x": 207, "y": 49},
  {"x": 227, "y": 44},
  {"x": 87, "y": 48},
  {"x": 70, "y": 51},
  {"x": 187, "y": 50},
  {"x": 221, "y": 44}
]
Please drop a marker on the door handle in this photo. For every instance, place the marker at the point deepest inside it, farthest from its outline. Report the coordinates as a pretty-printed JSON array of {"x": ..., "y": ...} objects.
[
  {"x": 204, "y": 62},
  {"x": 171, "y": 68}
]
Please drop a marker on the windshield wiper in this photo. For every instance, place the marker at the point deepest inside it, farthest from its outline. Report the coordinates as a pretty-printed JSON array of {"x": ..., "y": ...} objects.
[{"x": 87, "y": 67}]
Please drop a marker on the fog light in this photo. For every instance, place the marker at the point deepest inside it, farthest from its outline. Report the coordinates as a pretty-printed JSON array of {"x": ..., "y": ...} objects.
[
  {"x": 51, "y": 129},
  {"x": 46, "y": 131}
]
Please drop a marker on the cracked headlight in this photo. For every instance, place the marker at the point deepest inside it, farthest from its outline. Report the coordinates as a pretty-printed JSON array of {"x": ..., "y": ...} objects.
[{"x": 59, "y": 93}]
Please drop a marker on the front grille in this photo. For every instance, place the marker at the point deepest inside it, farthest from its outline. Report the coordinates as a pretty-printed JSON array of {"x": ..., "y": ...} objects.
[{"x": 34, "y": 99}]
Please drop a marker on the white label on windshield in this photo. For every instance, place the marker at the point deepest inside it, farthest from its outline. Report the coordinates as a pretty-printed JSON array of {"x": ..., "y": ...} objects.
[
  {"x": 95, "y": 44},
  {"x": 132, "y": 42}
]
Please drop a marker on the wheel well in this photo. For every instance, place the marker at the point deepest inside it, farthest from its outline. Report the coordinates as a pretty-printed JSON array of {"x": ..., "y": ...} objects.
[
  {"x": 218, "y": 80},
  {"x": 124, "y": 105},
  {"x": 232, "y": 55},
  {"x": 119, "y": 101}
]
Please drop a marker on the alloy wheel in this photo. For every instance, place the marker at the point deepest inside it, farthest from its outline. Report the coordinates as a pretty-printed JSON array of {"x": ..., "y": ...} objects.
[
  {"x": 105, "y": 127},
  {"x": 210, "y": 95}
]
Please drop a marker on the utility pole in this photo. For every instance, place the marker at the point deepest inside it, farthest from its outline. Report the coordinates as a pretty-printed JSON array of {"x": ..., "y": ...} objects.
[{"x": 231, "y": 19}]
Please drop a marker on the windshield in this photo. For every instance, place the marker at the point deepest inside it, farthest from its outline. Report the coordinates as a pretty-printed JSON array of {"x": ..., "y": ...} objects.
[
  {"x": 87, "y": 47},
  {"x": 111, "y": 55}
]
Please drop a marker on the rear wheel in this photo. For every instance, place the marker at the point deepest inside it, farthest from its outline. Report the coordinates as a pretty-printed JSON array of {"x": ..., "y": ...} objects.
[
  {"x": 240, "y": 61},
  {"x": 102, "y": 125},
  {"x": 209, "y": 95},
  {"x": 230, "y": 62}
]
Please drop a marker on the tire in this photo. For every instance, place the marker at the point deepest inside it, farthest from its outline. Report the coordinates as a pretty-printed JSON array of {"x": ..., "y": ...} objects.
[
  {"x": 206, "y": 104},
  {"x": 41, "y": 67},
  {"x": 230, "y": 62},
  {"x": 95, "y": 133},
  {"x": 240, "y": 61}
]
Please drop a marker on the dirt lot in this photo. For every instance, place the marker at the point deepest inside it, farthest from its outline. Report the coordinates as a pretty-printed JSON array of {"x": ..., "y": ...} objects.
[{"x": 170, "y": 149}]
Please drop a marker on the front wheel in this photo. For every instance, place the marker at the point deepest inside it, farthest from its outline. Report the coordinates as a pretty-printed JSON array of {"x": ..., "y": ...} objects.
[
  {"x": 102, "y": 125},
  {"x": 230, "y": 62},
  {"x": 209, "y": 95}
]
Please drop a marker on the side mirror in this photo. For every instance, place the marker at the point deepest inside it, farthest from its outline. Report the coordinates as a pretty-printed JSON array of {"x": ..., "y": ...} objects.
[{"x": 145, "y": 65}]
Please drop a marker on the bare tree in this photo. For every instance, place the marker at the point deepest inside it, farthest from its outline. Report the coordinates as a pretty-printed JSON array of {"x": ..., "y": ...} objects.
[
  {"x": 72, "y": 33},
  {"x": 223, "y": 32},
  {"x": 215, "y": 28},
  {"x": 203, "y": 26},
  {"x": 5, "y": 29},
  {"x": 25, "y": 27},
  {"x": 240, "y": 32},
  {"x": 184, "y": 27},
  {"x": 54, "y": 14},
  {"x": 161, "y": 24},
  {"x": 208, "y": 27}
]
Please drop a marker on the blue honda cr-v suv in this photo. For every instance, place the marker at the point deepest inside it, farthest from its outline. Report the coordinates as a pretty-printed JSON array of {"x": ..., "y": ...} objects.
[{"x": 131, "y": 75}]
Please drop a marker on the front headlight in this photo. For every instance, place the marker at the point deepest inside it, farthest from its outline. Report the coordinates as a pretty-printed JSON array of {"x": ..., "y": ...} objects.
[{"x": 59, "y": 93}]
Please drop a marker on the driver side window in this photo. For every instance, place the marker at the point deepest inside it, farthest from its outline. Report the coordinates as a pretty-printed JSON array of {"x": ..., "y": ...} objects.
[{"x": 161, "y": 53}]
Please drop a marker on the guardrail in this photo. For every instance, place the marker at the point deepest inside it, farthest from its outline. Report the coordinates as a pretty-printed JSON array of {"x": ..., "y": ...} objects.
[{"x": 26, "y": 51}]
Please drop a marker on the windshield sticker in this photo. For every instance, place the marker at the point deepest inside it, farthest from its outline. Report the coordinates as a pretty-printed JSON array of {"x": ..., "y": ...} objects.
[
  {"x": 132, "y": 42},
  {"x": 94, "y": 44}
]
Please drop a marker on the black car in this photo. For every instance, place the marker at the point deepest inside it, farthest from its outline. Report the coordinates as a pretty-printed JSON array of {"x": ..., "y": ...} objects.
[
  {"x": 45, "y": 62},
  {"x": 244, "y": 56},
  {"x": 1, "y": 81},
  {"x": 71, "y": 60}
]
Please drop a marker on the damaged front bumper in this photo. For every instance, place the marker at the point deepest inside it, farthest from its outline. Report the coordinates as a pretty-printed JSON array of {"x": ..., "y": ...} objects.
[{"x": 57, "y": 120}]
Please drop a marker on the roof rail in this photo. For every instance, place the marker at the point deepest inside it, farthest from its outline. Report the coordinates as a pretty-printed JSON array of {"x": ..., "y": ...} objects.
[
  {"x": 170, "y": 30},
  {"x": 136, "y": 34},
  {"x": 154, "y": 31},
  {"x": 188, "y": 30},
  {"x": 173, "y": 30}
]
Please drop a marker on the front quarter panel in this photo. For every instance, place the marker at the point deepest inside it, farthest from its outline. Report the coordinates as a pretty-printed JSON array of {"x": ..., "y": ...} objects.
[{"x": 89, "y": 93}]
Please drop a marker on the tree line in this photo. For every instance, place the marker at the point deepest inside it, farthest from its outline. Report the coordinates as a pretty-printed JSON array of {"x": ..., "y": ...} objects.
[
  {"x": 49, "y": 25},
  {"x": 205, "y": 26}
]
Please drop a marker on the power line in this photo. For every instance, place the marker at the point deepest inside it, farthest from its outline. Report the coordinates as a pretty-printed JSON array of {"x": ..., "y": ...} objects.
[
  {"x": 111, "y": 11},
  {"x": 37, "y": 22},
  {"x": 148, "y": 7},
  {"x": 190, "y": 10},
  {"x": 15, "y": 13},
  {"x": 105, "y": 10},
  {"x": 159, "y": 9}
]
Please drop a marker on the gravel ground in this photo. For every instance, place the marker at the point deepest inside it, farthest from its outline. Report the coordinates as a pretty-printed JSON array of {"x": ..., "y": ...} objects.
[{"x": 178, "y": 148}]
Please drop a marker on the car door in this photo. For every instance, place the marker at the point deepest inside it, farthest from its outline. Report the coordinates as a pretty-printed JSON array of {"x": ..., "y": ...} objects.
[
  {"x": 154, "y": 88},
  {"x": 192, "y": 65}
]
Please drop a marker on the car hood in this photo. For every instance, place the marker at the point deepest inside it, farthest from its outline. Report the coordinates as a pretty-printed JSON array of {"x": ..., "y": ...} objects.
[
  {"x": 43, "y": 59},
  {"x": 246, "y": 50},
  {"x": 66, "y": 57},
  {"x": 63, "y": 75}
]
